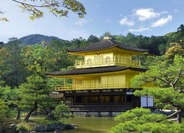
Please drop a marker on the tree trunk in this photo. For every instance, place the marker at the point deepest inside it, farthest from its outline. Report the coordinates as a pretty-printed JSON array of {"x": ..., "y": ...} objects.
[
  {"x": 179, "y": 117},
  {"x": 26, "y": 119},
  {"x": 18, "y": 113}
]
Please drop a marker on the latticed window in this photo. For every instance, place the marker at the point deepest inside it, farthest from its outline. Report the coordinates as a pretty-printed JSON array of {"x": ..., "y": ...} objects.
[
  {"x": 98, "y": 57},
  {"x": 89, "y": 61},
  {"x": 107, "y": 59}
]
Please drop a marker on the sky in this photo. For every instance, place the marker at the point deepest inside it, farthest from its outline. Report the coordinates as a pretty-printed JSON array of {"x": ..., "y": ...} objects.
[{"x": 119, "y": 17}]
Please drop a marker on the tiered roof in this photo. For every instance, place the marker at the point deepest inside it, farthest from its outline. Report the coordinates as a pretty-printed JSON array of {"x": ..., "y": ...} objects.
[
  {"x": 106, "y": 44},
  {"x": 94, "y": 70}
]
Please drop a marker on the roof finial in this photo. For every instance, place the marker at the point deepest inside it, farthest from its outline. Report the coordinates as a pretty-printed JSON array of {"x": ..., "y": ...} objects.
[{"x": 107, "y": 36}]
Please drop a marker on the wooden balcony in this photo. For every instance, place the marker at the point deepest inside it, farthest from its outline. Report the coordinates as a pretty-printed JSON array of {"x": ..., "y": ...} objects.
[
  {"x": 90, "y": 86},
  {"x": 107, "y": 62}
]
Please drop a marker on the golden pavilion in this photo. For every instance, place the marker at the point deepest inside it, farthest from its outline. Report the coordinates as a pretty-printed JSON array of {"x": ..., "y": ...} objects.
[{"x": 100, "y": 81}]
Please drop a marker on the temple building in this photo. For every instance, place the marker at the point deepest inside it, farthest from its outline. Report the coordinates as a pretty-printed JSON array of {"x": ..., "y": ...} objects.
[{"x": 100, "y": 81}]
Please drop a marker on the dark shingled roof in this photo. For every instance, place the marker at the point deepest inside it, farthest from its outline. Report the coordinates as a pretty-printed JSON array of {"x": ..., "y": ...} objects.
[
  {"x": 106, "y": 44},
  {"x": 94, "y": 70}
]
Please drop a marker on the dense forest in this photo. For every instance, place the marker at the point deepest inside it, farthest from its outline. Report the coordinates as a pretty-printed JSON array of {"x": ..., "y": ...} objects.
[{"x": 24, "y": 62}]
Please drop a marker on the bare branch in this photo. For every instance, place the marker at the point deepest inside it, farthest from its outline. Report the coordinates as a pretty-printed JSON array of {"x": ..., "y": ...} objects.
[
  {"x": 166, "y": 81},
  {"x": 173, "y": 114},
  {"x": 24, "y": 3},
  {"x": 170, "y": 116},
  {"x": 4, "y": 19},
  {"x": 179, "y": 76}
]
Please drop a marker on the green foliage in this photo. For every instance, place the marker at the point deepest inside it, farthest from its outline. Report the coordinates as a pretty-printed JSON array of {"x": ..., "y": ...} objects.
[
  {"x": 139, "y": 119},
  {"x": 55, "y": 81},
  {"x": 164, "y": 81},
  {"x": 61, "y": 111},
  {"x": 160, "y": 128},
  {"x": 162, "y": 74},
  {"x": 3, "y": 109},
  {"x": 35, "y": 95},
  {"x": 36, "y": 89},
  {"x": 56, "y": 7},
  {"x": 37, "y": 58},
  {"x": 22, "y": 127},
  {"x": 11, "y": 96},
  {"x": 143, "y": 120},
  {"x": 13, "y": 72},
  {"x": 37, "y": 39}
]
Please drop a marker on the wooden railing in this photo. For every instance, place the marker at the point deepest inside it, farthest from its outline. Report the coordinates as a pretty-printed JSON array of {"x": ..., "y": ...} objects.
[
  {"x": 101, "y": 108},
  {"x": 105, "y": 62},
  {"x": 90, "y": 86}
]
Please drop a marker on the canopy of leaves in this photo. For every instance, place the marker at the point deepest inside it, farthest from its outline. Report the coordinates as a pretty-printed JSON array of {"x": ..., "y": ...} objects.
[
  {"x": 143, "y": 120},
  {"x": 162, "y": 74},
  {"x": 61, "y": 111},
  {"x": 3, "y": 109},
  {"x": 57, "y": 7},
  {"x": 35, "y": 89},
  {"x": 13, "y": 71},
  {"x": 164, "y": 81}
]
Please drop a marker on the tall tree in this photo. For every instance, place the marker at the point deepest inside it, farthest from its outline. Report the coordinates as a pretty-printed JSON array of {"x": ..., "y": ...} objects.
[
  {"x": 34, "y": 94},
  {"x": 13, "y": 71},
  {"x": 164, "y": 81},
  {"x": 167, "y": 81}
]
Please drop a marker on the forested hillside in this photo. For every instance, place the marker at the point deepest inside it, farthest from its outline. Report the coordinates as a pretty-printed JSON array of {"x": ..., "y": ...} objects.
[
  {"x": 36, "y": 38},
  {"x": 157, "y": 45}
]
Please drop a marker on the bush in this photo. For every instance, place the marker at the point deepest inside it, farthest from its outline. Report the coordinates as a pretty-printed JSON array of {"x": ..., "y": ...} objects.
[{"x": 61, "y": 111}]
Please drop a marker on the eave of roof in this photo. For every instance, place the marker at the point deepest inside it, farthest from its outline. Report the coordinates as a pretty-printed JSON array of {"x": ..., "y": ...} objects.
[
  {"x": 94, "y": 70},
  {"x": 104, "y": 45}
]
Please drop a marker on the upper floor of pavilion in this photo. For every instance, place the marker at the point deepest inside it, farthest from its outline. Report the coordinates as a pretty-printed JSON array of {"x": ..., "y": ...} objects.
[{"x": 107, "y": 53}]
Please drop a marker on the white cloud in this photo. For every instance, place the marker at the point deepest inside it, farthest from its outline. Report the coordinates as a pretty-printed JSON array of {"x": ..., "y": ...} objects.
[
  {"x": 125, "y": 21},
  {"x": 146, "y": 13},
  {"x": 162, "y": 21},
  {"x": 80, "y": 22},
  {"x": 140, "y": 29}
]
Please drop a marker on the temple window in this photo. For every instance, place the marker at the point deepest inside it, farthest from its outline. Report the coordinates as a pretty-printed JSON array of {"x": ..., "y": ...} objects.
[
  {"x": 89, "y": 61},
  {"x": 107, "y": 59}
]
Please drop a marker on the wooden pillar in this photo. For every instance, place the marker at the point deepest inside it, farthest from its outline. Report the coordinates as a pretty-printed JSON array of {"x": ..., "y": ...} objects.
[
  {"x": 64, "y": 86},
  {"x": 101, "y": 102},
  {"x": 74, "y": 98},
  {"x": 74, "y": 83},
  {"x": 125, "y": 98}
]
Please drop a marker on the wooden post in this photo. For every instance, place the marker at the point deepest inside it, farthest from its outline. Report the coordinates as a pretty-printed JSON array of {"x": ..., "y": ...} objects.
[
  {"x": 74, "y": 84},
  {"x": 125, "y": 98},
  {"x": 64, "y": 87}
]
